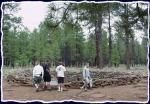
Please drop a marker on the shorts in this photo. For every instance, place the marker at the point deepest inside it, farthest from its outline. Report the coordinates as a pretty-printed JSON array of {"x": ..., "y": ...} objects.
[
  {"x": 37, "y": 80},
  {"x": 88, "y": 82},
  {"x": 47, "y": 77},
  {"x": 60, "y": 79}
]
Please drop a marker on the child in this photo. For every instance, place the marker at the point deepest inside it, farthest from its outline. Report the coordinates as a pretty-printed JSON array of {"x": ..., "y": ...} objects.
[
  {"x": 87, "y": 80},
  {"x": 60, "y": 69}
]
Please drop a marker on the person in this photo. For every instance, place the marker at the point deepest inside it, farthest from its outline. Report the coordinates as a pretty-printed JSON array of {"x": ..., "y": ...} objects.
[
  {"x": 38, "y": 74},
  {"x": 87, "y": 80},
  {"x": 47, "y": 76},
  {"x": 60, "y": 69}
]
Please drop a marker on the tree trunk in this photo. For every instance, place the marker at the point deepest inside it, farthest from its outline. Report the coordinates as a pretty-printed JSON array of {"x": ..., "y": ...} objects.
[
  {"x": 98, "y": 33},
  {"x": 97, "y": 58},
  {"x": 127, "y": 54},
  {"x": 132, "y": 52},
  {"x": 100, "y": 36},
  {"x": 127, "y": 38},
  {"x": 110, "y": 42}
]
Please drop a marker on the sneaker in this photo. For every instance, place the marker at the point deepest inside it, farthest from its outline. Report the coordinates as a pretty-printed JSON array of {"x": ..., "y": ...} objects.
[
  {"x": 37, "y": 90},
  {"x": 82, "y": 87},
  {"x": 45, "y": 87},
  {"x": 49, "y": 89},
  {"x": 90, "y": 88},
  {"x": 58, "y": 90},
  {"x": 61, "y": 89},
  {"x": 85, "y": 89}
]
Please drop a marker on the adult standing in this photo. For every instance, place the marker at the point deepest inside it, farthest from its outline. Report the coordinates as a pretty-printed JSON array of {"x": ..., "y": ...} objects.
[
  {"x": 60, "y": 69},
  {"x": 47, "y": 76},
  {"x": 38, "y": 74}
]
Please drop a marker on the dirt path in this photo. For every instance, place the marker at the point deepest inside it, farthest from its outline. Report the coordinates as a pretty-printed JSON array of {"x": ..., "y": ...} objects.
[{"x": 137, "y": 92}]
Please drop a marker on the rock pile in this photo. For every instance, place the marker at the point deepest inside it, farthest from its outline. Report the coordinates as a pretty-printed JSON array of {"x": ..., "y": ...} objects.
[
  {"x": 74, "y": 79},
  {"x": 22, "y": 78},
  {"x": 126, "y": 80}
]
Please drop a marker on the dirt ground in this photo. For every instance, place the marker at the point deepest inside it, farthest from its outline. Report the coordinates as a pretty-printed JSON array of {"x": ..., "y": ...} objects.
[{"x": 136, "y": 92}]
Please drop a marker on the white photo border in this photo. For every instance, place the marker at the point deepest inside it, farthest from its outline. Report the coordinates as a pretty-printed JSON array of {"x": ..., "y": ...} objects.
[{"x": 55, "y": 101}]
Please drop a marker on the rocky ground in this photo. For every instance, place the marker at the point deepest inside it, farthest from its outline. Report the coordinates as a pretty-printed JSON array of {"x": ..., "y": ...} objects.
[
  {"x": 136, "y": 92},
  {"x": 108, "y": 85}
]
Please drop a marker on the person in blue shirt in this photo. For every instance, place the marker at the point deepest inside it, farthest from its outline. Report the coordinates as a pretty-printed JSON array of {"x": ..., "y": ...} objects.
[{"x": 87, "y": 80}]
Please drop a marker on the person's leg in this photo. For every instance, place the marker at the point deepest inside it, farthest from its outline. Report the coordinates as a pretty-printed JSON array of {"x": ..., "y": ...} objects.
[
  {"x": 37, "y": 87},
  {"x": 83, "y": 84},
  {"x": 59, "y": 87},
  {"x": 91, "y": 83},
  {"x": 36, "y": 83},
  {"x": 62, "y": 86},
  {"x": 62, "y": 83},
  {"x": 44, "y": 86},
  {"x": 59, "y": 84},
  {"x": 86, "y": 85},
  {"x": 49, "y": 82},
  {"x": 41, "y": 83},
  {"x": 48, "y": 85}
]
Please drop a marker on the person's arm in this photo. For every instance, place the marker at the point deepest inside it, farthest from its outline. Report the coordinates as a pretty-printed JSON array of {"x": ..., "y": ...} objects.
[
  {"x": 83, "y": 73},
  {"x": 33, "y": 72},
  {"x": 89, "y": 74},
  {"x": 47, "y": 68},
  {"x": 64, "y": 69},
  {"x": 56, "y": 69},
  {"x": 42, "y": 70}
]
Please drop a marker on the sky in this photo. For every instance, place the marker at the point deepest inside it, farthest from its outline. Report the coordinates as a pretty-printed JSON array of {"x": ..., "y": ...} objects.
[{"x": 32, "y": 13}]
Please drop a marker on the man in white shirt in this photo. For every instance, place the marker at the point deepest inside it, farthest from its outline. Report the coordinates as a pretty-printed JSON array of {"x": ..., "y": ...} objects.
[
  {"x": 38, "y": 73},
  {"x": 60, "y": 69}
]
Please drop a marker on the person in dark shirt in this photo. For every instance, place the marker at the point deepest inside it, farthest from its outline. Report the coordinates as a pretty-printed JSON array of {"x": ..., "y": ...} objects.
[{"x": 47, "y": 76}]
